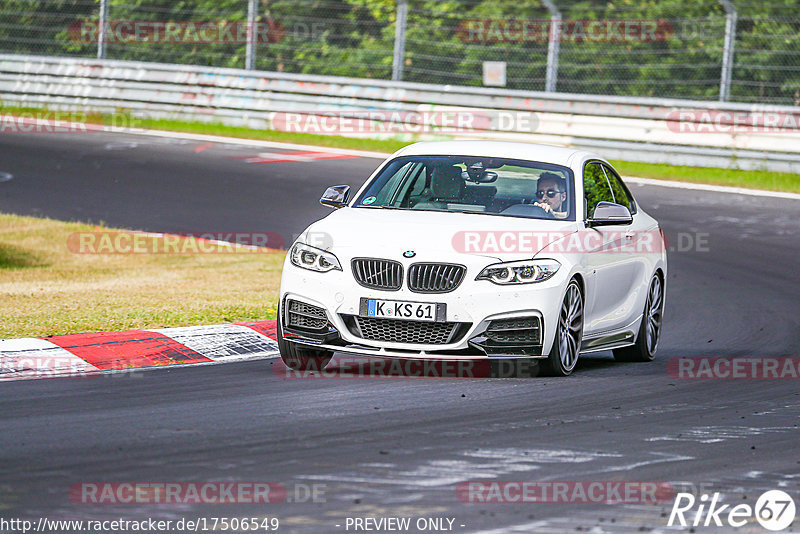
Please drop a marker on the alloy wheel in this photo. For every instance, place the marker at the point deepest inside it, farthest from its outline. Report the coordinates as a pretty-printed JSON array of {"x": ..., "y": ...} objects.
[{"x": 570, "y": 327}]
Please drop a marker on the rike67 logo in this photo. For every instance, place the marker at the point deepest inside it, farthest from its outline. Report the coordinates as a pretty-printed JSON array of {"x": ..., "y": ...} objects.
[{"x": 774, "y": 510}]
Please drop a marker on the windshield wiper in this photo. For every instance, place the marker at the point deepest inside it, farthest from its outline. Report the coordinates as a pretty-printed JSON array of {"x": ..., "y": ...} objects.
[{"x": 380, "y": 207}]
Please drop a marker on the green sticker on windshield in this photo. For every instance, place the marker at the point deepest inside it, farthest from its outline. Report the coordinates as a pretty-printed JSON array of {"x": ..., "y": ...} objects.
[{"x": 369, "y": 200}]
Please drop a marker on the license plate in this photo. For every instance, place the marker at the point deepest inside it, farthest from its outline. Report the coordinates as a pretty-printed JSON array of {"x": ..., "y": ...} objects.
[{"x": 435, "y": 312}]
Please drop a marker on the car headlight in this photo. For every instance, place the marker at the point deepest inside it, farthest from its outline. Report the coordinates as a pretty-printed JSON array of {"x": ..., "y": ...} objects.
[
  {"x": 313, "y": 259},
  {"x": 520, "y": 272}
]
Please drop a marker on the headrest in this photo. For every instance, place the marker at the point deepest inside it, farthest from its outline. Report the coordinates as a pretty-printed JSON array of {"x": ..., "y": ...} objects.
[{"x": 446, "y": 182}]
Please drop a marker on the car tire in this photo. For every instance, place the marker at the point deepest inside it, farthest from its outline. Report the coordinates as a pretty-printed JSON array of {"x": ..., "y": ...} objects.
[
  {"x": 566, "y": 348},
  {"x": 644, "y": 350},
  {"x": 300, "y": 358}
]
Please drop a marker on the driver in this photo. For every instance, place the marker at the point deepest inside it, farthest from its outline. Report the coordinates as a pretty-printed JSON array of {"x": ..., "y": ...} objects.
[{"x": 551, "y": 194}]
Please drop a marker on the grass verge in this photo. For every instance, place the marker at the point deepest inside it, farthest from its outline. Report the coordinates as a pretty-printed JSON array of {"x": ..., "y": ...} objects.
[
  {"x": 771, "y": 181},
  {"x": 48, "y": 288},
  {"x": 775, "y": 181}
]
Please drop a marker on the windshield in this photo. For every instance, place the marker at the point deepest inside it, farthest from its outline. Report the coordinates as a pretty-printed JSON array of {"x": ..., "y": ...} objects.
[{"x": 474, "y": 184}]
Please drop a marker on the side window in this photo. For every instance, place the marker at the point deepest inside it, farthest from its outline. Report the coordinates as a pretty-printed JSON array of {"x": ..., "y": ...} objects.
[
  {"x": 621, "y": 193},
  {"x": 595, "y": 187}
]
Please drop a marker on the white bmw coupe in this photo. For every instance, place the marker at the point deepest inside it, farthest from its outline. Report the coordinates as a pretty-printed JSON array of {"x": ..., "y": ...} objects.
[{"x": 474, "y": 250}]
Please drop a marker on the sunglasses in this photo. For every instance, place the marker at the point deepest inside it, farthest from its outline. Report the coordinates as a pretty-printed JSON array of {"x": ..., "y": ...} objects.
[{"x": 550, "y": 193}]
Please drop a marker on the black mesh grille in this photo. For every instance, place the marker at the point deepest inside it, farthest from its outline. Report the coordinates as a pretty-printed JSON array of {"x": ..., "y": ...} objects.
[
  {"x": 400, "y": 331},
  {"x": 301, "y": 321},
  {"x": 435, "y": 277},
  {"x": 305, "y": 316},
  {"x": 378, "y": 274},
  {"x": 522, "y": 331},
  {"x": 518, "y": 338}
]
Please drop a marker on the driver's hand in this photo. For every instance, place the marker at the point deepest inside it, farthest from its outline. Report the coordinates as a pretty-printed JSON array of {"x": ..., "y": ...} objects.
[{"x": 546, "y": 207}]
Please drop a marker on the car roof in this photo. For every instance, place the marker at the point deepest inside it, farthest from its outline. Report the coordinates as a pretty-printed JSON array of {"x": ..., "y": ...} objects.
[{"x": 496, "y": 149}]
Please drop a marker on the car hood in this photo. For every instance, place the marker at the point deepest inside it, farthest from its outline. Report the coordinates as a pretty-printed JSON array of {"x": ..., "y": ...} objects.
[{"x": 432, "y": 236}]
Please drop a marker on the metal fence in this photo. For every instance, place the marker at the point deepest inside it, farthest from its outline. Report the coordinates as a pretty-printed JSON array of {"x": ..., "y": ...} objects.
[
  {"x": 677, "y": 132},
  {"x": 704, "y": 49}
]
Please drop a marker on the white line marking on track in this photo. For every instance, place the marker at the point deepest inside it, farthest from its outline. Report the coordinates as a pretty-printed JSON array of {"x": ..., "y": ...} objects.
[
  {"x": 384, "y": 155},
  {"x": 712, "y": 188},
  {"x": 121, "y": 146},
  {"x": 5, "y": 176}
]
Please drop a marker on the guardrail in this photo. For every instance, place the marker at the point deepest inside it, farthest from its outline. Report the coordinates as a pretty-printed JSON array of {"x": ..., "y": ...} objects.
[{"x": 652, "y": 130}]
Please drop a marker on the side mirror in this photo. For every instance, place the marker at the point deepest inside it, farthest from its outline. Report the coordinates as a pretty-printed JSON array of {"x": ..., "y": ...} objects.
[
  {"x": 335, "y": 197},
  {"x": 608, "y": 213}
]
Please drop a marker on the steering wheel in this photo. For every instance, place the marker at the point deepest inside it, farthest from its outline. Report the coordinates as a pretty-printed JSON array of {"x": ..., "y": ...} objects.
[
  {"x": 528, "y": 210},
  {"x": 535, "y": 211}
]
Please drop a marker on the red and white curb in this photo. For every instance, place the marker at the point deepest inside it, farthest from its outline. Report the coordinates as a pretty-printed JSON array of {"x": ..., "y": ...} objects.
[{"x": 82, "y": 355}]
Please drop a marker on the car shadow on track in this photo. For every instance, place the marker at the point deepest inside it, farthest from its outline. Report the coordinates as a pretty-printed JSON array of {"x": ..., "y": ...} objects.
[{"x": 352, "y": 367}]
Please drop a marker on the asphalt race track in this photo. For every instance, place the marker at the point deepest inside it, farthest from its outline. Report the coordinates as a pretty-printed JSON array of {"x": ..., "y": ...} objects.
[
  {"x": 200, "y": 188},
  {"x": 378, "y": 447}
]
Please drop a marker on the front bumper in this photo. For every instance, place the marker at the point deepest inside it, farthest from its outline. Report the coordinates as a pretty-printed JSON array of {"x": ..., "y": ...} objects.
[{"x": 479, "y": 311}]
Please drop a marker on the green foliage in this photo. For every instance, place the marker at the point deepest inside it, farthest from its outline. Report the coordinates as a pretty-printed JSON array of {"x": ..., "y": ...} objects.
[{"x": 355, "y": 38}]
